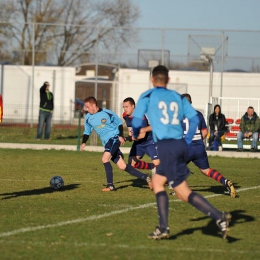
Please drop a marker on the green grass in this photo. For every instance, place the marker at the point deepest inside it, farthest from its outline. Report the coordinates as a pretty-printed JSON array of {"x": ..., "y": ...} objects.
[
  {"x": 66, "y": 135},
  {"x": 81, "y": 222}
]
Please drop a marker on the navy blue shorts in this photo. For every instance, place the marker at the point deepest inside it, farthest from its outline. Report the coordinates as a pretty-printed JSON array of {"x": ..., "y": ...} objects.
[
  {"x": 140, "y": 149},
  {"x": 173, "y": 155},
  {"x": 113, "y": 147},
  {"x": 197, "y": 154}
]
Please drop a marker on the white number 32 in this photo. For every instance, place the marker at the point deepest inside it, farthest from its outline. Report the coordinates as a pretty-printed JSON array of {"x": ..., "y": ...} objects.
[{"x": 166, "y": 118}]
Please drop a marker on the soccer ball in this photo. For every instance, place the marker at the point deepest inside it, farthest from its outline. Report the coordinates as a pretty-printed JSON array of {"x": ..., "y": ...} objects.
[{"x": 56, "y": 182}]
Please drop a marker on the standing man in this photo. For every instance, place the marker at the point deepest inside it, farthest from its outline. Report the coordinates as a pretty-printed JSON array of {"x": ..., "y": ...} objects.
[
  {"x": 198, "y": 155},
  {"x": 142, "y": 146},
  {"x": 165, "y": 110},
  {"x": 249, "y": 128},
  {"x": 109, "y": 128},
  {"x": 45, "y": 112}
]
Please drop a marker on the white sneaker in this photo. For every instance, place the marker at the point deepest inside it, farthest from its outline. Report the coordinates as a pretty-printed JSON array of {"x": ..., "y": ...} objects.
[{"x": 220, "y": 148}]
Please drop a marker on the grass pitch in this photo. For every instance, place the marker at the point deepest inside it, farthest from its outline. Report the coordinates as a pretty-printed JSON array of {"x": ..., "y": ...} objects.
[{"x": 81, "y": 222}]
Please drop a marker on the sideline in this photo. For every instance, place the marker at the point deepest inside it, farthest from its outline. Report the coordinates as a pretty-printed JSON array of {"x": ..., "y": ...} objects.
[
  {"x": 125, "y": 150},
  {"x": 95, "y": 217}
]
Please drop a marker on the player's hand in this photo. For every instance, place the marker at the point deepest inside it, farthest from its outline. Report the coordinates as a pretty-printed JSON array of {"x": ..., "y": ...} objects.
[
  {"x": 141, "y": 135},
  {"x": 122, "y": 140},
  {"x": 82, "y": 147}
]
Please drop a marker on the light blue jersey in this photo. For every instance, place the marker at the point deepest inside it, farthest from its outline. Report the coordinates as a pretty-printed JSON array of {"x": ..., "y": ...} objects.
[
  {"x": 105, "y": 123},
  {"x": 165, "y": 110}
]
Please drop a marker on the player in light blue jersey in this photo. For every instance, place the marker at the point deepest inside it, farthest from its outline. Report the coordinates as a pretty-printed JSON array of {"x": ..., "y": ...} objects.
[
  {"x": 198, "y": 155},
  {"x": 165, "y": 110},
  {"x": 109, "y": 128}
]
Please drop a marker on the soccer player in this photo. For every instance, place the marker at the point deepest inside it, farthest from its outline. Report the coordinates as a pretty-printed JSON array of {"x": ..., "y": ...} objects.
[
  {"x": 141, "y": 146},
  {"x": 109, "y": 128},
  {"x": 165, "y": 110},
  {"x": 198, "y": 155}
]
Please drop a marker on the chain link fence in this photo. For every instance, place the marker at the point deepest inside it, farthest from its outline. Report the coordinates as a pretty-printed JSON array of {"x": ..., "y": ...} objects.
[{"x": 143, "y": 48}]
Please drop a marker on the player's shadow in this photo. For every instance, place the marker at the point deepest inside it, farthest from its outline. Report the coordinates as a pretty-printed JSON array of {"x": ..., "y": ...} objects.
[
  {"x": 211, "y": 229},
  {"x": 138, "y": 183},
  {"x": 41, "y": 191},
  {"x": 217, "y": 189}
]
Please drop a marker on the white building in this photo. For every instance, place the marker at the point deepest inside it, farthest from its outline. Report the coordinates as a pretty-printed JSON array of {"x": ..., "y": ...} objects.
[{"x": 21, "y": 100}]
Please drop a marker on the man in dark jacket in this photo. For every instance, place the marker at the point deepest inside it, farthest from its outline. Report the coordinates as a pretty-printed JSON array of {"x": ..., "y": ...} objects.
[
  {"x": 45, "y": 112},
  {"x": 249, "y": 128}
]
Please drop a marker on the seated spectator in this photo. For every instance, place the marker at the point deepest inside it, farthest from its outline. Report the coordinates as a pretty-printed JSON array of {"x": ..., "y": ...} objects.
[
  {"x": 249, "y": 127},
  {"x": 217, "y": 124}
]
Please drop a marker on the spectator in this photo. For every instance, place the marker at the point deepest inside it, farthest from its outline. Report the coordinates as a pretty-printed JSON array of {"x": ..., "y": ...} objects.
[
  {"x": 45, "y": 112},
  {"x": 249, "y": 127},
  {"x": 217, "y": 124}
]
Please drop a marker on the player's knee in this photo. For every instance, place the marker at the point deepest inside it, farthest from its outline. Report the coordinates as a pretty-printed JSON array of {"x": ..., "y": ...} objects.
[{"x": 121, "y": 164}]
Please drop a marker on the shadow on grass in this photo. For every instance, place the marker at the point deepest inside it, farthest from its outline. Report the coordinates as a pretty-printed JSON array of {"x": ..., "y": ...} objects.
[
  {"x": 134, "y": 183},
  {"x": 219, "y": 189},
  {"x": 238, "y": 217},
  {"x": 37, "y": 191}
]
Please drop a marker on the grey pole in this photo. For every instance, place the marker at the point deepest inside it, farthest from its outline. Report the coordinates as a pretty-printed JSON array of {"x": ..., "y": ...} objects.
[
  {"x": 222, "y": 69},
  {"x": 32, "y": 86}
]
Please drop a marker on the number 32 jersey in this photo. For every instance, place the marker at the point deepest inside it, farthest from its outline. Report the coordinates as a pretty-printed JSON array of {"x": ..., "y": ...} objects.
[{"x": 165, "y": 109}]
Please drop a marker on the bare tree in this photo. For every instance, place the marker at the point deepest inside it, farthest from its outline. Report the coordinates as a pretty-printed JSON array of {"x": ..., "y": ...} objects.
[{"x": 64, "y": 32}]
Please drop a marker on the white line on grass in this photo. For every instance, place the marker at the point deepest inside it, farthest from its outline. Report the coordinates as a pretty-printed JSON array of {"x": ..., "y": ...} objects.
[
  {"x": 95, "y": 217},
  {"x": 104, "y": 245}
]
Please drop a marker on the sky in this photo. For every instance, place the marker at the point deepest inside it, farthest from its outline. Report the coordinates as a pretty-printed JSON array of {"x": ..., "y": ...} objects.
[{"x": 200, "y": 14}]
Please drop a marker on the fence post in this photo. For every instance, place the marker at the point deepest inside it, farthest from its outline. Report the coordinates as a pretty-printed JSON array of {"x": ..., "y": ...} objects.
[{"x": 79, "y": 128}]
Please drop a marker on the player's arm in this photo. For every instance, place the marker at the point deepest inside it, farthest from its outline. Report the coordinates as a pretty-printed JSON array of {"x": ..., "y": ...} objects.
[
  {"x": 204, "y": 133},
  {"x": 86, "y": 134},
  {"x": 83, "y": 143},
  {"x": 121, "y": 134},
  {"x": 140, "y": 110},
  {"x": 143, "y": 132},
  {"x": 193, "y": 124}
]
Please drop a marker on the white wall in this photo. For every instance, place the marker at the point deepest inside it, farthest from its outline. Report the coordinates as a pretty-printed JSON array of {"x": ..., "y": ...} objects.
[
  {"x": 20, "y": 99},
  {"x": 235, "y": 85},
  {"x": 17, "y": 92}
]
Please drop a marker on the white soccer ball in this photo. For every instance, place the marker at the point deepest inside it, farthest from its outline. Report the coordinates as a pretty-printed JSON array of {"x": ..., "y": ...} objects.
[{"x": 56, "y": 182}]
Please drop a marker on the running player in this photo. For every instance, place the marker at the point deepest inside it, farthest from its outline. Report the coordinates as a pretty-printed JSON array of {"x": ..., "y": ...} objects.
[
  {"x": 109, "y": 128},
  {"x": 142, "y": 146},
  {"x": 198, "y": 155},
  {"x": 166, "y": 110}
]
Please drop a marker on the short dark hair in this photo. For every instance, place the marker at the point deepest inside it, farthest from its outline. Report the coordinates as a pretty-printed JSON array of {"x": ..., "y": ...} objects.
[
  {"x": 160, "y": 73},
  {"x": 186, "y": 95},
  {"x": 130, "y": 100},
  {"x": 91, "y": 100}
]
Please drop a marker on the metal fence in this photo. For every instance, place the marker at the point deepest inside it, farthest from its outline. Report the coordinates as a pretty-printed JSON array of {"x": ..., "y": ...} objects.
[
  {"x": 174, "y": 47},
  {"x": 177, "y": 48}
]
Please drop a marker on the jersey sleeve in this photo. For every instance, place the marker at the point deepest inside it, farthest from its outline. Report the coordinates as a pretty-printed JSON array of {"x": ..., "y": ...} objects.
[
  {"x": 88, "y": 128},
  {"x": 188, "y": 111},
  {"x": 116, "y": 118},
  {"x": 202, "y": 124},
  {"x": 139, "y": 112}
]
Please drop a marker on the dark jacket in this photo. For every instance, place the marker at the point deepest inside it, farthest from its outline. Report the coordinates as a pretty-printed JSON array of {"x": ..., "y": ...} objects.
[
  {"x": 219, "y": 121},
  {"x": 46, "y": 99},
  {"x": 249, "y": 125}
]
